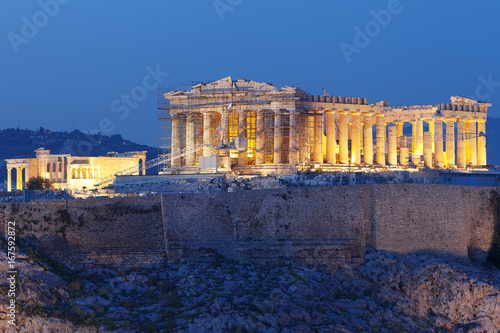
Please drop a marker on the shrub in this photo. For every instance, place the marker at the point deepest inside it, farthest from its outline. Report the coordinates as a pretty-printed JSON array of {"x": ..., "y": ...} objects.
[{"x": 38, "y": 183}]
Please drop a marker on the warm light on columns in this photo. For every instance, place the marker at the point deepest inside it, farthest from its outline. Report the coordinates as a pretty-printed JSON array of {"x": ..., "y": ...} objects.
[
  {"x": 438, "y": 138},
  {"x": 450, "y": 142},
  {"x": 471, "y": 143},
  {"x": 420, "y": 137},
  {"x": 19, "y": 179},
  {"x": 461, "y": 153},
  {"x": 331, "y": 138},
  {"x": 481, "y": 142},
  {"x": 393, "y": 146},
  {"x": 380, "y": 144},
  {"x": 343, "y": 148},
  {"x": 278, "y": 139},
  {"x": 176, "y": 140},
  {"x": 207, "y": 124},
  {"x": 294, "y": 147},
  {"x": 355, "y": 142},
  {"x": 318, "y": 136},
  {"x": 368, "y": 139},
  {"x": 9, "y": 179}
]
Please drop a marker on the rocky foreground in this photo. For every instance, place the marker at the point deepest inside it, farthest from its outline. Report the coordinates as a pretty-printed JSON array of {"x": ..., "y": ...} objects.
[{"x": 388, "y": 293}]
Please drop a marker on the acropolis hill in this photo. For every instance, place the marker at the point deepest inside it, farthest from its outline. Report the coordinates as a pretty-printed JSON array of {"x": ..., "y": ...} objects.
[{"x": 227, "y": 139}]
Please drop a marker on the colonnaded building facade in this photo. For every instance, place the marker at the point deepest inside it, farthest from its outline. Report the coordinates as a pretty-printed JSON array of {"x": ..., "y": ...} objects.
[
  {"x": 68, "y": 172},
  {"x": 256, "y": 126}
]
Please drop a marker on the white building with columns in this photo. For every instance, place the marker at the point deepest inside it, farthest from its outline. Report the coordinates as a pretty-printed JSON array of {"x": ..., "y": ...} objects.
[
  {"x": 269, "y": 127},
  {"x": 68, "y": 172}
]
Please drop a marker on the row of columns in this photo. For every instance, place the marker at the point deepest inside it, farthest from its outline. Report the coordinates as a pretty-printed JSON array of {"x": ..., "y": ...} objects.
[
  {"x": 55, "y": 166},
  {"x": 471, "y": 150},
  {"x": 428, "y": 145},
  {"x": 19, "y": 177},
  {"x": 315, "y": 134}
]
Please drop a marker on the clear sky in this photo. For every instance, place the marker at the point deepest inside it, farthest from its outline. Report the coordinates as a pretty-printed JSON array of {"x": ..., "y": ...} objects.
[{"x": 97, "y": 63}]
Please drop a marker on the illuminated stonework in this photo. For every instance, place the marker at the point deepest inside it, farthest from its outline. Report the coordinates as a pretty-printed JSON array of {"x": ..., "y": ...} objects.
[
  {"x": 68, "y": 172},
  {"x": 268, "y": 126}
]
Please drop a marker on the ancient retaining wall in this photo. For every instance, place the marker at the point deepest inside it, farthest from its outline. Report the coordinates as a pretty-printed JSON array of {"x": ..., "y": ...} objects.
[
  {"x": 317, "y": 225},
  {"x": 456, "y": 220},
  {"x": 115, "y": 231}
]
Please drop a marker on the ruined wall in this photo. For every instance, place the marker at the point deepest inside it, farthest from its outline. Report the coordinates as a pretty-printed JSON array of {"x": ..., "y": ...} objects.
[
  {"x": 316, "y": 225},
  {"x": 111, "y": 231},
  {"x": 455, "y": 220}
]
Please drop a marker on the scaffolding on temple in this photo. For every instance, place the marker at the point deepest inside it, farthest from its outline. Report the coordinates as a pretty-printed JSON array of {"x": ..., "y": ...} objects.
[{"x": 266, "y": 133}]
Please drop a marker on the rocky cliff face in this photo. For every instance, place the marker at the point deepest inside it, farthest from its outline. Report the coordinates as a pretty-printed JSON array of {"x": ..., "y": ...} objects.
[{"x": 388, "y": 293}]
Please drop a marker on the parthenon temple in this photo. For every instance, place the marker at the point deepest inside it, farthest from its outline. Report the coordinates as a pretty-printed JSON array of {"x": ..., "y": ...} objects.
[{"x": 252, "y": 126}]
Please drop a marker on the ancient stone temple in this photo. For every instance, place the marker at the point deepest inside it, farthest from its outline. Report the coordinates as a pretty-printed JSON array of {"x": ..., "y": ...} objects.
[
  {"x": 68, "y": 172},
  {"x": 250, "y": 127}
]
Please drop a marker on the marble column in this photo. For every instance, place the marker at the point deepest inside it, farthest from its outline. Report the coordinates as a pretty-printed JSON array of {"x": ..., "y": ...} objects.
[
  {"x": 19, "y": 178},
  {"x": 438, "y": 138},
  {"x": 355, "y": 139},
  {"x": 368, "y": 140},
  {"x": 331, "y": 138},
  {"x": 413, "y": 137},
  {"x": 450, "y": 142},
  {"x": 243, "y": 143},
  {"x": 9, "y": 179},
  {"x": 404, "y": 156},
  {"x": 176, "y": 140},
  {"x": 278, "y": 137},
  {"x": 393, "y": 146},
  {"x": 190, "y": 141},
  {"x": 399, "y": 132},
  {"x": 318, "y": 139},
  {"x": 427, "y": 149},
  {"x": 343, "y": 143},
  {"x": 481, "y": 142},
  {"x": 461, "y": 151},
  {"x": 50, "y": 163},
  {"x": 207, "y": 134},
  {"x": 471, "y": 143},
  {"x": 293, "y": 140},
  {"x": 260, "y": 139},
  {"x": 420, "y": 137},
  {"x": 380, "y": 144},
  {"x": 431, "y": 130},
  {"x": 58, "y": 169}
]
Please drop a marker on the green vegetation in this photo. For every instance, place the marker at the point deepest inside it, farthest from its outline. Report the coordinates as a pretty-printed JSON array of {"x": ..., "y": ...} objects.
[
  {"x": 38, "y": 183},
  {"x": 74, "y": 281}
]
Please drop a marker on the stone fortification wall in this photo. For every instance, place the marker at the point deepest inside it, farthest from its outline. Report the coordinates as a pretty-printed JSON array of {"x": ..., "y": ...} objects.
[
  {"x": 455, "y": 220},
  {"x": 111, "y": 231},
  {"x": 316, "y": 225}
]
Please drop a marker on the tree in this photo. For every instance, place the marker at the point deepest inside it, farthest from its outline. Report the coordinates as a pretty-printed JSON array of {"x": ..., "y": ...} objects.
[{"x": 38, "y": 183}]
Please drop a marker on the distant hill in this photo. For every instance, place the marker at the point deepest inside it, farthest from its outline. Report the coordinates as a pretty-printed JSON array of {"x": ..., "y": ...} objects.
[{"x": 22, "y": 142}]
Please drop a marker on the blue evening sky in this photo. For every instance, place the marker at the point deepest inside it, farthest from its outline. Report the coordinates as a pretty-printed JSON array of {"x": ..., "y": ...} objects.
[{"x": 80, "y": 60}]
